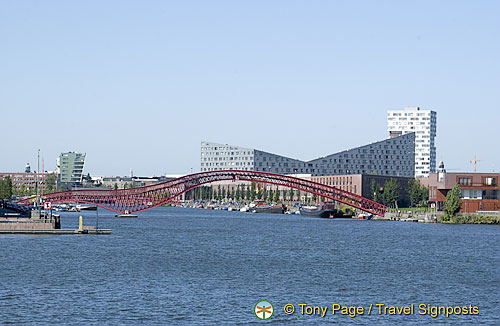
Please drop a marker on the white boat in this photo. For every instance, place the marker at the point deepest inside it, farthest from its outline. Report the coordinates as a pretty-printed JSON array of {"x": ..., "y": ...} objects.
[
  {"x": 86, "y": 208},
  {"x": 126, "y": 215}
]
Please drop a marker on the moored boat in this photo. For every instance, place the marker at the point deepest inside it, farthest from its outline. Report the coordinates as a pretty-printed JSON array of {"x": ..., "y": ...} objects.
[
  {"x": 9, "y": 209},
  {"x": 365, "y": 216},
  {"x": 126, "y": 215},
  {"x": 326, "y": 210},
  {"x": 85, "y": 208},
  {"x": 263, "y": 207}
]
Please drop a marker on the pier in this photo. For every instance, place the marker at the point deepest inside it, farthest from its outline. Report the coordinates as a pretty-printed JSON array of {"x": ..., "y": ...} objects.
[{"x": 44, "y": 226}]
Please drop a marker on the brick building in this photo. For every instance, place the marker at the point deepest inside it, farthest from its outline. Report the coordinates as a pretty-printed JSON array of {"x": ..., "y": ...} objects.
[
  {"x": 24, "y": 179},
  {"x": 479, "y": 191}
]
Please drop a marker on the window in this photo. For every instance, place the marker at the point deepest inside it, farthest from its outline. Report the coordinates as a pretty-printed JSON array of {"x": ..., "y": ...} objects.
[
  {"x": 465, "y": 181},
  {"x": 490, "y": 181}
]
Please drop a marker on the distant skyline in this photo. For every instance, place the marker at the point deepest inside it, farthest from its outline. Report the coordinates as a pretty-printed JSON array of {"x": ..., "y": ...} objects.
[{"x": 140, "y": 84}]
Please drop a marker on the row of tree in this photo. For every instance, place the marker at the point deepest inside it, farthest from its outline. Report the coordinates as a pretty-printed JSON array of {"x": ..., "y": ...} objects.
[
  {"x": 389, "y": 193},
  {"x": 248, "y": 192}
]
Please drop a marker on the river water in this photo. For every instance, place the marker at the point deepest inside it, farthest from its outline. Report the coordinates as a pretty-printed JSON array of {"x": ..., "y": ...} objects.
[{"x": 199, "y": 267}]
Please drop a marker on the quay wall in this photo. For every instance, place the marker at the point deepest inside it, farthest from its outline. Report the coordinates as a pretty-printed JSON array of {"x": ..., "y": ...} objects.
[{"x": 25, "y": 224}]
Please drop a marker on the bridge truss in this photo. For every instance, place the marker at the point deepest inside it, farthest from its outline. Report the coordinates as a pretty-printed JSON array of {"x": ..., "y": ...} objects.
[{"x": 139, "y": 199}]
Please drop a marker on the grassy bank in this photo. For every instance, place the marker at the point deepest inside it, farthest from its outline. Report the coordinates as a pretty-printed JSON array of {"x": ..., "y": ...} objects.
[{"x": 473, "y": 219}]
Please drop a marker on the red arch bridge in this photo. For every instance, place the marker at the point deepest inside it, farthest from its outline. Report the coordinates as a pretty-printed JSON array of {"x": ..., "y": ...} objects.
[{"x": 139, "y": 199}]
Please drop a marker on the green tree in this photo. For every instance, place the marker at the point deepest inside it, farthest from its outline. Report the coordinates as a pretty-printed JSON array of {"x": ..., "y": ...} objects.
[
  {"x": 252, "y": 191},
  {"x": 391, "y": 193},
  {"x": 290, "y": 194},
  {"x": 414, "y": 192},
  {"x": 297, "y": 195},
  {"x": 276, "y": 195},
  {"x": 376, "y": 192},
  {"x": 424, "y": 194},
  {"x": 5, "y": 188},
  {"x": 23, "y": 190},
  {"x": 50, "y": 183},
  {"x": 452, "y": 203},
  {"x": 238, "y": 193},
  {"x": 314, "y": 198},
  {"x": 270, "y": 196}
]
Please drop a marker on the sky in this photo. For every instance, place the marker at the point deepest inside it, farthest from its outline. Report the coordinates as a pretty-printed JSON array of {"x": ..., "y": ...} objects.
[{"x": 139, "y": 84}]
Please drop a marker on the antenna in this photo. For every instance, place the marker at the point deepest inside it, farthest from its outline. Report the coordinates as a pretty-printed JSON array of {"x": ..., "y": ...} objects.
[{"x": 474, "y": 161}]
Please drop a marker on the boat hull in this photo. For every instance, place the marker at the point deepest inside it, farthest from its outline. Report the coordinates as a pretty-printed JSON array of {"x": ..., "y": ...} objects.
[
  {"x": 323, "y": 211},
  {"x": 276, "y": 209},
  {"x": 319, "y": 213}
]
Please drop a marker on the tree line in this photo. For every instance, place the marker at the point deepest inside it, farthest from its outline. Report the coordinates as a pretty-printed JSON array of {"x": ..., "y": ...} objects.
[
  {"x": 251, "y": 192},
  {"x": 389, "y": 193}
]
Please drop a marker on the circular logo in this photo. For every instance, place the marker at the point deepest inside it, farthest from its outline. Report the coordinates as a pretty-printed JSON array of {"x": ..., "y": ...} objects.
[{"x": 263, "y": 309}]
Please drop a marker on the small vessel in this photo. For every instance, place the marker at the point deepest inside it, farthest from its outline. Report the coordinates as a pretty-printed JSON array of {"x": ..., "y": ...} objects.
[
  {"x": 326, "y": 210},
  {"x": 126, "y": 215},
  {"x": 86, "y": 208},
  {"x": 263, "y": 207},
  {"x": 365, "y": 216},
  {"x": 60, "y": 207}
]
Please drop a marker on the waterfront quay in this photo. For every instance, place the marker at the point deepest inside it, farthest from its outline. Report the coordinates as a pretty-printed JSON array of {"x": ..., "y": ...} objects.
[{"x": 44, "y": 225}]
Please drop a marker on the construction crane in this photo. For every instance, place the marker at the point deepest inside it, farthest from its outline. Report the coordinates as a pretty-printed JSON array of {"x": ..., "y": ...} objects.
[{"x": 474, "y": 161}]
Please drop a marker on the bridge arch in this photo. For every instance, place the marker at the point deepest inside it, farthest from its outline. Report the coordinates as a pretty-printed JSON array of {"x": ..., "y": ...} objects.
[{"x": 146, "y": 197}]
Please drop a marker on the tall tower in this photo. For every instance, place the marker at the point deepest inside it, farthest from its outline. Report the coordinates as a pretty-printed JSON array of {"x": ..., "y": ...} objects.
[{"x": 423, "y": 124}]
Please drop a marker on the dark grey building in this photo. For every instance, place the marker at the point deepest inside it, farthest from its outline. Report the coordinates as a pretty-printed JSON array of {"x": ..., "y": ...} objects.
[{"x": 390, "y": 157}]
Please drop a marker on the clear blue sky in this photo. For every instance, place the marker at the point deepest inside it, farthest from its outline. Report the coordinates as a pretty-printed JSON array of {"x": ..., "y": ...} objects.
[{"x": 139, "y": 84}]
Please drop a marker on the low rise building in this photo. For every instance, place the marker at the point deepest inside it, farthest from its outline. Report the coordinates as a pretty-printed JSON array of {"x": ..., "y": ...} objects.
[
  {"x": 23, "y": 179},
  {"x": 479, "y": 191}
]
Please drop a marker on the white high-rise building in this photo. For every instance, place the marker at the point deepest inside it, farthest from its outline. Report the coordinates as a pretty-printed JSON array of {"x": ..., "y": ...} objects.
[{"x": 423, "y": 124}]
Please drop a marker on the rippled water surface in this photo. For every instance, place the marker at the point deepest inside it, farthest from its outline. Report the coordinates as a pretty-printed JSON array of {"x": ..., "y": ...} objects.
[{"x": 190, "y": 266}]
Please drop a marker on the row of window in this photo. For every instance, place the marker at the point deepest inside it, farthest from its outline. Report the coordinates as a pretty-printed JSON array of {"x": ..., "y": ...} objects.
[
  {"x": 487, "y": 181},
  {"x": 236, "y": 158},
  {"x": 203, "y": 153},
  {"x": 227, "y": 164}
]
